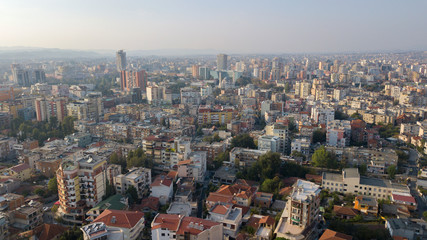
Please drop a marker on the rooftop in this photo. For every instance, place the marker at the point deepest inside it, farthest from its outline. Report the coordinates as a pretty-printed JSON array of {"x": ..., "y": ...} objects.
[{"x": 304, "y": 189}]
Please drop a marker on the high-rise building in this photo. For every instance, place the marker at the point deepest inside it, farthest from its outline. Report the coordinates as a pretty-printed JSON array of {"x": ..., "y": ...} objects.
[
  {"x": 195, "y": 71},
  {"x": 53, "y": 107},
  {"x": 221, "y": 61},
  {"x": 204, "y": 73},
  {"x": 95, "y": 106},
  {"x": 39, "y": 76},
  {"x": 301, "y": 213},
  {"x": 121, "y": 60},
  {"x": 81, "y": 184},
  {"x": 20, "y": 76},
  {"x": 133, "y": 79}
]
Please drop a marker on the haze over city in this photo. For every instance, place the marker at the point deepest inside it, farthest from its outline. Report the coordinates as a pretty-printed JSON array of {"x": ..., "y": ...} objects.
[{"x": 222, "y": 26}]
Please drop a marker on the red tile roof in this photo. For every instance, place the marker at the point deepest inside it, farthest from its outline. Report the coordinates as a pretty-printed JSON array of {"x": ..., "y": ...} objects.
[
  {"x": 220, "y": 209},
  {"x": 332, "y": 235},
  {"x": 123, "y": 219},
  {"x": 348, "y": 211},
  {"x": 150, "y": 202},
  {"x": 19, "y": 168},
  {"x": 186, "y": 227},
  {"x": 161, "y": 180},
  {"x": 256, "y": 220},
  {"x": 397, "y": 197}
]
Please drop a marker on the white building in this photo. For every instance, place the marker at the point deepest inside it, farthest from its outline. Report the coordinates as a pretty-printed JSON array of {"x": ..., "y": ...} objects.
[
  {"x": 301, "y": 145},
  {"x": 195, "y": 167},
  {"x": 338, "y": 133},
  {"x": 269, "y": 143},
  {"x": 162, "y": 188},
  {"x": 301, "y": 213},
  {"x": 322, "y": 115},
  {"x": 231, "y": 218},
  {"x": 350, "y": 181}
]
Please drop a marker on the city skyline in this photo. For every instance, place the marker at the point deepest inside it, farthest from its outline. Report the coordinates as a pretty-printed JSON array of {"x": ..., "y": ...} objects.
[{"x": 235, "y": 27}]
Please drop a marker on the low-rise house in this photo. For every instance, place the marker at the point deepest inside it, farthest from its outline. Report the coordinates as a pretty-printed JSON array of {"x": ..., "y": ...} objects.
[
  {"x": 366, "y": 205},
  {"x": 345, "y": 212},
  {"x": 237, "y": 194},
  {"x": 149, "y": 204},
  {"x": 263, "y": 199},
  {"x": 44, "y": 232},
  {"x": 115, "y": 202},
  {"x": 406, "y": 228},
  {"x": 332, "y": 235},
  {"x": 172, "y": 226},
  {"x": 404, "y": 199},
  {"x": 263, "y": 225},
  {"x": 21, "y": 172},
  {"x": 225, "y": 175},
  {"x": 229, "y": 216},
  {"x": 11, "y": 201},
  {"x": 115, "y": 224}
]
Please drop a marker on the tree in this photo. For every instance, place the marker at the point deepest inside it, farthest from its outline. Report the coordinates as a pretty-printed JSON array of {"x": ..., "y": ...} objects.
[
  {"x": 324, "y": 159},
  {"x": 244, "y": 141},
  {"x": 340, "y": 115},
  {"x": 425, "y": 215},
  {"x": 271, "y": 185},
  {"x": 295, "y": 153},
  {"x": 132, "y": 192},
  {"x": 290, "y": 169},
  {"x": 39, "y": 191},
  {"x": 319, "y": 136},
  {"x": 391, "y": 170},
  {"x": 109, "y": 190},
  {"x": 363, "y": 169},
  {"x": 52, "y": 185},
  {"x": 220, "y": 158},
  {"x": 356, "y": 115},
  {"x": 287, "y": 87},
  {"x": 72, "y": 234}
]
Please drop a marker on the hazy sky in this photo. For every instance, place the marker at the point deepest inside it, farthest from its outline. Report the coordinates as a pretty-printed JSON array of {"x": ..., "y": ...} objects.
[{"x": 231, "y": 26}]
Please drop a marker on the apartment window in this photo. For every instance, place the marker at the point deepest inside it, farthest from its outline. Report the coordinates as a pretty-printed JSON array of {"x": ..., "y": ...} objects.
[
  {"x": 336, "y": 184},
  {"x": 163, "y": 234}
]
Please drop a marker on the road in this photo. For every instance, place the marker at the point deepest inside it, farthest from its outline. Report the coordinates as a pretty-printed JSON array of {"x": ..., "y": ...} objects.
[{"x": 203, "y": 195}]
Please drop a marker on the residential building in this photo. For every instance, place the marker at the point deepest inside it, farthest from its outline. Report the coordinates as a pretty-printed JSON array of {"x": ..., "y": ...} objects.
[
  {"x": 366, "y": 205},
  {"x": 332, "y": 235},
  {"x": 244, "y": 157},
  {"x": 263, "y": 225},
  {"x": 130, "y": 80},
  {"x": 350, "y": 181},
  {"x": 21, "y": 172},
  {"x": 121, "y": 60},
  {"x": 229, "y": 216},
  {"x": 322, "y": 115},
  {"x": 28, "y": 216},
  {"x": 81, "y": 183},
  {"x": 338, "y": 133},
  {"x": 115, "y": 225},
  {"x": 269, "y": 143},
  {"x": 301, "y": 214},
  {"x": 172, "y": 226},
  {"x": 115, "y": 202},
  {"x": 240, "y": 194},
  {"x": 221, "y": 61},
  {"x": 301, "y": 145},
  {"x": 50, "y": 107},
  {"x": 162, "y": 188},
  {"x": 194, "y": 167},
  {"x": 281, "y": 131},
  {"x": 406, "y": 228},
  {"x": 218, "y": 115},
  {"x": 139, "y": 178}
]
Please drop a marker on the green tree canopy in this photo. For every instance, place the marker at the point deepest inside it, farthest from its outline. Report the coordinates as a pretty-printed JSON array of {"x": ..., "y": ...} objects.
[
  {"x": 52, "y": 185},
  {"x": 319, "y": 136},
  {"x": 323, "y": 158},
  {"x": 391, "y": 171},
  {"x": 132, "y": 192},
  {"x": 244, "y": 141}
]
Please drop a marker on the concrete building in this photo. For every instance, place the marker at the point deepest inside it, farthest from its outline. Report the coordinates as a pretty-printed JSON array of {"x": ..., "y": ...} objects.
[
  {"x": 322, "y": 115},
  {"x": 229, "y": 216},
  {"x": 194, "y": 167},
  {"x": 140, "y": 178},
  {"x": 81, "y": 183},
  {"x": 244, "y": 157},
  {"x": 281, "y": 131},
  {"x": 221, "y": 62},
  {"x": 162, "y": 188},
  {"x": 121, "y": 60},
  {"x": 338, "y": 133},
  {"x": 301, "y": 145},
  {"x": 172, "y": 226},
  {"x": 350, "y": 181},
  {"x": 115, "y": 225},
  {"x": 301, "y": 214},
  {"x": 269, "y": 143}
]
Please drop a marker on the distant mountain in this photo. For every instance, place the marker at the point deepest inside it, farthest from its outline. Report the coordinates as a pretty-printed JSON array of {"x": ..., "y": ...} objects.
[
  {"x": 25, "y": 53},
  {"x": 172, "y": 52}
]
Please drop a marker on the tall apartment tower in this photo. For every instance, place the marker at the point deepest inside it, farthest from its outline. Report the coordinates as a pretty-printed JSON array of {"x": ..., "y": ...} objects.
[
  {"x": 221, "y": 61},
  {"x": 81, "y": 184},
  {"x": 121, "y": 60},
  {"x": 301, "y": 213},
  {"x": 52, "y": 107}
]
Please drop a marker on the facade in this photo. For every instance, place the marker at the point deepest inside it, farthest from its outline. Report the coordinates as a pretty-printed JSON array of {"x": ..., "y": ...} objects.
[
  {"x": 140, "y": 178},
  {"x": 281, "y": 131},
  {"x": 350, "y": 181},
  {"x": 172, "y": 226},
  {"x": 244, "y": 157},
  {"x": 130, "y": 80},
  {"x": 210, "y": 115},
  {"x": 338, "y": 133},
  {"x": 301, "y": 214},
  {"x": 322, "y": 115},
  {"x": 27, "y": 216},
  {"x": 53, "y": 107},
  {"x": 221, "y": 62},
  {"x": 194, "y": 167},
  {"x": 269, "y": 143},
  {"x": 81, "y": 183},
  {"x": 162, "y": 188},
  {"x": 121, "y": 60},
  {"x": 301, "y": 145}
]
